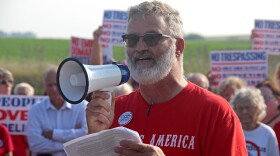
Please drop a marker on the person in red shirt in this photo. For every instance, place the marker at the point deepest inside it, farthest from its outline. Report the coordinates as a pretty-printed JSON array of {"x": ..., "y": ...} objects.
[
  {"x": 6, "y": 85},
  {"x": 6, "y": 143},
  {"x": 277, "y": 131},
  {"x": 172, "y": 116},
  {"x": 271, "y": 95}
]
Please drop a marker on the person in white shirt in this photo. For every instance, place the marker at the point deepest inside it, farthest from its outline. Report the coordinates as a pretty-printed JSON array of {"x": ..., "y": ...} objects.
[
  {"x": 249, "y": 106},
  {"x": 53, "y": 122}
]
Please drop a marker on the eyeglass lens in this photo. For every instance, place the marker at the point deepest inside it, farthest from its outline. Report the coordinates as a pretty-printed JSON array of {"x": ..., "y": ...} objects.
[
  {"x": 4, "y": 82},
  {"x": 150, "y": 40}
]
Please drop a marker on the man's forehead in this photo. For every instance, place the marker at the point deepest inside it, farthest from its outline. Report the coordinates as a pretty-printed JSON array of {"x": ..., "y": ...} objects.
[{"x": 149, "y": 24}]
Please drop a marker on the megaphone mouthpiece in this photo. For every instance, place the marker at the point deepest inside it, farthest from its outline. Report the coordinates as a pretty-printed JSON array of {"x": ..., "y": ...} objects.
[{"x": 78, "y": 79}]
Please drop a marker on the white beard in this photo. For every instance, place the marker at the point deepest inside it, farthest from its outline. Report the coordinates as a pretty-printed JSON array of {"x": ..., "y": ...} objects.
[{"x": 149, "y": 74}]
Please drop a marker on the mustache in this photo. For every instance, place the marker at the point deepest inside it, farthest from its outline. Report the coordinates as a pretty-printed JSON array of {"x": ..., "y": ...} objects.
[{"x": 143, "y": 54}]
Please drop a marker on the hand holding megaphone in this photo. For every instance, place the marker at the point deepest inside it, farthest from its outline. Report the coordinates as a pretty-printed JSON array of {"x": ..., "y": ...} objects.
[{"x": 75, "y": 80}]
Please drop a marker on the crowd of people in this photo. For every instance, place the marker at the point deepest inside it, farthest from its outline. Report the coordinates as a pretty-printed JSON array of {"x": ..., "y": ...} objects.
[{"x": 173, "y": 113}]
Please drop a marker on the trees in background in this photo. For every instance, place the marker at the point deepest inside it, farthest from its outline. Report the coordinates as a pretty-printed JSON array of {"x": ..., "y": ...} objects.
[{"x": 17, "y": 34}]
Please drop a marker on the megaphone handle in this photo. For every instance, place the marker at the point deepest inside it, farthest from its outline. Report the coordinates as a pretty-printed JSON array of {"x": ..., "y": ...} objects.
[{"x": 109, "y": 91}]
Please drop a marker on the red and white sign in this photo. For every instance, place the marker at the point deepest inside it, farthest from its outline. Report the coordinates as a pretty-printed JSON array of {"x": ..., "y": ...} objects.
[
  {"x": 249, "y": 65},
  {"x": 114, "y": 26},
  {"x": 266, "y": 36},
  {"x": 14, "y": 111},
  {"x": 81, "y": 49}
]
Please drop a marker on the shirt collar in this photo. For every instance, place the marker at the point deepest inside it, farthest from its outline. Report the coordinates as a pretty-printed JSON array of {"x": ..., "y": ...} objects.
[{"x": 66, "y": 105}]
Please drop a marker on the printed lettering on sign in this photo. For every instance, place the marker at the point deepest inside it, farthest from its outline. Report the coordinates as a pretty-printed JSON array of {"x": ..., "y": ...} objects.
[
  {"x": 14, "y": 111},
  {"x": 250, "y": 65}
]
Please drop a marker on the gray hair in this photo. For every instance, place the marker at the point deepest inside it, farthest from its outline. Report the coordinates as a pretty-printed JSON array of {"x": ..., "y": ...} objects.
[
  {"x": 4, "y": 73},
  {"x": 171, "y": 16},
  {"x": 198, "y": 79},
  {"x": 50, "y": 70},
  {"x": 250, "y": 94},
  {"x": 29, "y": 88},
  {"x": 234, "y": 81}
]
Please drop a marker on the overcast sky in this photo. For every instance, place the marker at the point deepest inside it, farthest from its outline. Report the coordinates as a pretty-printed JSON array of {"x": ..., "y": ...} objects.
[{"x": 65, "y": 18}]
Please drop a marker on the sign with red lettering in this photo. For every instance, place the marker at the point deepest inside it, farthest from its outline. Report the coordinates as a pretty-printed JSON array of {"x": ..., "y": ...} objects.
[
  {"x": 266, "y": 36},
  {"x": 249, "y": 65},
  {"x": 114, "y": 26},
  {"x": 81, "y": 49},
  {"x": 14, "y": 111}
]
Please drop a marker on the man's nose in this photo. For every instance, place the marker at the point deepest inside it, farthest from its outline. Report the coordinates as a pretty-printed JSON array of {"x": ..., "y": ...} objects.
[{"x": 141, "y": 45}]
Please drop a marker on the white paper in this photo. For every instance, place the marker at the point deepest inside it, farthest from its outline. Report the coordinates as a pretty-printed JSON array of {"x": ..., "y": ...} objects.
[{"x": 101, "y": 143}]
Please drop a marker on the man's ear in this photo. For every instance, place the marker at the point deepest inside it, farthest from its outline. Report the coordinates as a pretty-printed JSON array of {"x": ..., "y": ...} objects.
[{"x": 180, "y": 45}]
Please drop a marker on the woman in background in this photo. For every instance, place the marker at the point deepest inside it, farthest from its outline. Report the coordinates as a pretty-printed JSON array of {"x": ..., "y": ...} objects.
[
  {"x": 249, "y": 106},
  {"x": 229, "y": 85},
  {"x": 277, "y": 75},
  {"x": 272, "y": 100}
]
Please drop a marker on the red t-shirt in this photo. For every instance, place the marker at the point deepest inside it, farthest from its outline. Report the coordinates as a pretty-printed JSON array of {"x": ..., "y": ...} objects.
[
  {"x": 6, "y": 144},
  {"x": 21, "y": 145},
  {"x": 195, "y": 122},
  {"x": 276, "y": 129}
]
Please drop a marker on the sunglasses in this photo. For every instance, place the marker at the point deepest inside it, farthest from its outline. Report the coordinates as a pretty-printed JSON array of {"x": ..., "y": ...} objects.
[
  {"x": 150, "y": 39},
  {"x": 5, "y": 82}
]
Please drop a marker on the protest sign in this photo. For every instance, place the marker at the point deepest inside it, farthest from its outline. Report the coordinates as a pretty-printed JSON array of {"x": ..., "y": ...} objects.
[
  {"x": 114, "y": 26},
  {"x": 266, "y": 36},
  {"x": 14, "y": 111},
  {"x": 81, "y": 49},
  {"x": 249, "y": 65}
]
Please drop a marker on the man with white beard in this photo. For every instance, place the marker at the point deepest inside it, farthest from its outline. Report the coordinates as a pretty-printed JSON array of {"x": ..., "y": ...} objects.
[{"x": 172, "y": 116}]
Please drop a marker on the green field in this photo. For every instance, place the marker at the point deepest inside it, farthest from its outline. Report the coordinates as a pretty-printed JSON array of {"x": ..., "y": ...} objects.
[{"x": 28, "y": 58}]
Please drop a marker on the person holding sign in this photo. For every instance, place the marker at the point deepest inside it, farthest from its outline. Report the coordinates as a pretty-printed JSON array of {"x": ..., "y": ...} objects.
[
  {"x": 53, "y": 121},
  {"x": 6, "y": 85},
  {"x": 96, "y": 55},
  {"x": 172, "y": 116},
  {"x": 6, "y": 82},
  {"x": 97, "y": 59}
]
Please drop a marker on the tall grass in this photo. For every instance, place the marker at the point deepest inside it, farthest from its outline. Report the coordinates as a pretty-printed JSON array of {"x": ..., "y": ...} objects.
[{"x": 27, "y": 59}]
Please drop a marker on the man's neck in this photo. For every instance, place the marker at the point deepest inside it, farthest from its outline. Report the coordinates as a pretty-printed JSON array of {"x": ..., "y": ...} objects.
[
  {"x": 163, "y": 90},
  {"x": 57, "y": 103}
]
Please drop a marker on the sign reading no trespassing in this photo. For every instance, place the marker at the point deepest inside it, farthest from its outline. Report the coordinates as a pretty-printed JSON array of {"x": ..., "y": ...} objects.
[
  {"x": 266, "y": 36},
  {"x": 249, "y": 65},
  {"x": 114, "y": 26}
]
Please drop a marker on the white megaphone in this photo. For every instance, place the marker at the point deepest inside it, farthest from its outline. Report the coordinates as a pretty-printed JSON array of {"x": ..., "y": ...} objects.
[{"x": 75, "y": 80}]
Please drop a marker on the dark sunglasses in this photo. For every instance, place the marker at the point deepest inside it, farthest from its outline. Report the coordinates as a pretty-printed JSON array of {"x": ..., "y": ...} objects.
[
  {"x": 5, "y": 82},
  {"x": 150, "y": 39}
]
